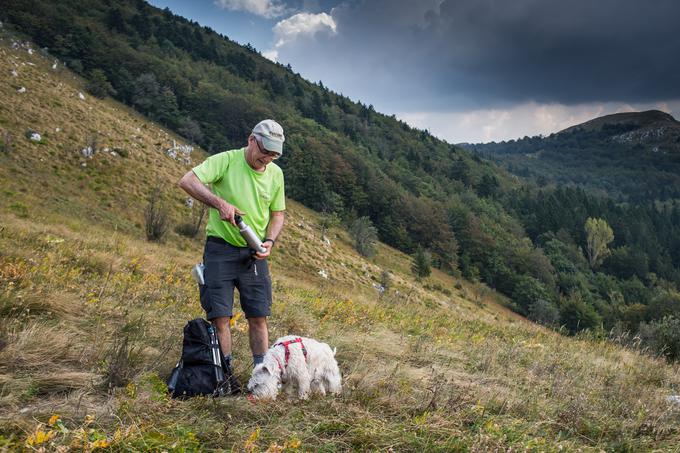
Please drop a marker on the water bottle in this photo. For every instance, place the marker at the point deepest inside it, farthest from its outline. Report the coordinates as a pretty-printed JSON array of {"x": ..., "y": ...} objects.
[{"x": 249, "y": 235}]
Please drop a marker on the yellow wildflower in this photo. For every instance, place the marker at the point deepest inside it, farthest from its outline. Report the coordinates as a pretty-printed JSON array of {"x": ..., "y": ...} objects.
[
  {"x": 53, "y": 420},
  {"x": 293, "y": 444},
  {"x": 250, "y": 443},
  {"x": 100, "y": 443},
  {"x": 39, "y": 437}
]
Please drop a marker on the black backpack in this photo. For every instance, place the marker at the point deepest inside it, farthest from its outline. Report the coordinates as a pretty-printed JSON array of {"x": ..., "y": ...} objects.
[{"x": 201, "y": 370}]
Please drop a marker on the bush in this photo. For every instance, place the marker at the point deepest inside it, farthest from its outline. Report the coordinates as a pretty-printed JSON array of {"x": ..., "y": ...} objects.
[
  {"x": 576, "y": 315},
  {"x": 544, "y": 312},
  {"x": 662, "y": 337},
  {"x": 121, "y": 152},
  {"x": 528, "y": 291},
  {"x": 98, "y": 85},
  {"x": 365, "y": 236},
  {"x": 156, "y": 217},
  {"x": 422, "y": 262},
  {"x": 662, "y": 306},
  {"x": 386, "y": 279},
  {"x": 191, "y": 228}
]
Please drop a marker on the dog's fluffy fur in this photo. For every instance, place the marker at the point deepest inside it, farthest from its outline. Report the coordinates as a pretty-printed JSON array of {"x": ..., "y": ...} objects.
[{"x": 318, "y": 374}]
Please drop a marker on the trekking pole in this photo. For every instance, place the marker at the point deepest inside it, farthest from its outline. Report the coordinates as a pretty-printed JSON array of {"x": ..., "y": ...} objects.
[{"x": 216, "y": 356}]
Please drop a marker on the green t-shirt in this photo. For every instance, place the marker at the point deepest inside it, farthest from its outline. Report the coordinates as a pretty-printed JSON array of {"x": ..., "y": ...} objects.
[{"x": 254, "y": 193}]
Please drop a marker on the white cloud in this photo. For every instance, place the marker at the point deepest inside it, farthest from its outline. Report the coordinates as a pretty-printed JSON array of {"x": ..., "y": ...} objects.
[
  {"x": 530, "y": 119},
  {"x": 287, "y": 30},
  {"x": 264, "y": 8},
  {"x": 272, "y": 55}
]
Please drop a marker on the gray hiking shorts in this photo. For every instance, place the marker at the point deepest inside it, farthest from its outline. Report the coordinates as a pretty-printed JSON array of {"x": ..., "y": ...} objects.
[{"x": 228, "y": 267}]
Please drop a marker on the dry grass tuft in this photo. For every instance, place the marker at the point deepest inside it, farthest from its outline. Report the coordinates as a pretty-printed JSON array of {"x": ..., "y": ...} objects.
[
  {"x": 40, "y": 346},
  {"x": 59, "y": 381}
]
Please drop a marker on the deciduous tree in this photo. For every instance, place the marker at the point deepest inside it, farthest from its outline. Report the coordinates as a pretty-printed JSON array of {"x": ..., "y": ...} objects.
[{"x": 598, "y": 236}]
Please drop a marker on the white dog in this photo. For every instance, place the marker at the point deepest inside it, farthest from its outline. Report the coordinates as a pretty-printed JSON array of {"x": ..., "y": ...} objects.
[{"x": 296, "y": 363}]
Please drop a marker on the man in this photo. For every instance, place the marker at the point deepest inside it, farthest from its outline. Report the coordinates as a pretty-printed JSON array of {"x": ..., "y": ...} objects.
[{"x": 248, "y": 183}]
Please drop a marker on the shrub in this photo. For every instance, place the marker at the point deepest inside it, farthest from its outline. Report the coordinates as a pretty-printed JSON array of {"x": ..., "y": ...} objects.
[
  {"x": 386, "y": 279},
  {"x": 662, "y": 337},
  {"x": 576, "y": 315},
  {"x": 156, "y": 217},
  {"x": 98, "y": 85},
  {"x": 122, "y": 152},
  {"x": 365, "y": 236},
  {"x": 422, "y": 262},
  {"x": 193, "y": 226},
  {"x": 544, "y": 312},
  {"x": 527, "y": 291},
  {"x": 92, "y": 141},
  {"x": 663, "y": 305}
]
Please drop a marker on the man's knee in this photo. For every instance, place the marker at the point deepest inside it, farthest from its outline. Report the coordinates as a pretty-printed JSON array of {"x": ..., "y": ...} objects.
[
  {"x": 221, "y": 323},
  {"x": 258, "y": 323}
]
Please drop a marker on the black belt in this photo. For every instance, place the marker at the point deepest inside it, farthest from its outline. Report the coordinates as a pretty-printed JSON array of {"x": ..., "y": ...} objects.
[
  {"x": 219, "y": 241},
  {"x": 248, "y": 261}
]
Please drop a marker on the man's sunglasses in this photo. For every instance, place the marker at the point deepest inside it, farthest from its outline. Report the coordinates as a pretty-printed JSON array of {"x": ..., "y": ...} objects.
[{"x": 263, "y": 151}]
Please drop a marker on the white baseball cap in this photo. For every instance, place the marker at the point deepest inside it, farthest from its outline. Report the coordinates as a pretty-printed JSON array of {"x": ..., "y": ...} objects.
[{"x": 271, "y": 134}]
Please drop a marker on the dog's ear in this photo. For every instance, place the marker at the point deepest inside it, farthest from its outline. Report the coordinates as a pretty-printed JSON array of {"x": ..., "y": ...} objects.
[{"x": 265, "y": 368}]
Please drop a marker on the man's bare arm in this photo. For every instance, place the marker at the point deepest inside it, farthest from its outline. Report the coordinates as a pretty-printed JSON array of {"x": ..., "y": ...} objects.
[
  {"x": 275, "y": 226},
  {"x": 194, "y": 187}
]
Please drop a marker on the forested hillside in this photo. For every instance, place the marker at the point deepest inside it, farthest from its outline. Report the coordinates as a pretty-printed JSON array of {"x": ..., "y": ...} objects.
[
  {"x": 343, "y": 158},
  {"x": 629, "y": 156}
]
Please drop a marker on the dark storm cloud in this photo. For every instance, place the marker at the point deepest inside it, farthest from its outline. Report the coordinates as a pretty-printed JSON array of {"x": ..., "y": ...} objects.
[
  {"x": 478, "y": 53},
  {"x": 564, "y": 51}
]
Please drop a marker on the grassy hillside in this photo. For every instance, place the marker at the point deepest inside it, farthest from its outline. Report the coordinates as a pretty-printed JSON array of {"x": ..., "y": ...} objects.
[{"x": 91, "y": 318}]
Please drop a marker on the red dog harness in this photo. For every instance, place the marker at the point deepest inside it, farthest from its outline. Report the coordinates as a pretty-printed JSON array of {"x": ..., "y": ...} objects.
[{"x": 287, "y": 343}]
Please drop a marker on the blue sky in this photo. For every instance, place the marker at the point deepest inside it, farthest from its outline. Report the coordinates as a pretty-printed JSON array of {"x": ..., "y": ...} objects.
[{"x": 469, "y": 70}]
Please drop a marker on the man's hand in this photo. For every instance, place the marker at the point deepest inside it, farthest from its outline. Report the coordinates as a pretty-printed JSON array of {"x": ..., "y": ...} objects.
[
  {"x": 262, "y": 255},
  {"x": 228, "y": 211},
  {"x": 194, "y": 187}
]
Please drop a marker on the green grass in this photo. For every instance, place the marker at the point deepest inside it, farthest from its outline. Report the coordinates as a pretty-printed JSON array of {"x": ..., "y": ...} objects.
[{"x": 415, "y": 377}]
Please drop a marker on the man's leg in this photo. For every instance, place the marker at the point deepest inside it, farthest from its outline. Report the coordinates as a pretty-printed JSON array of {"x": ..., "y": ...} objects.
[
  {"x": 255, "y": 287},
  {"x": 258, "y": 335},
  {"x": 223, "y": 334}
]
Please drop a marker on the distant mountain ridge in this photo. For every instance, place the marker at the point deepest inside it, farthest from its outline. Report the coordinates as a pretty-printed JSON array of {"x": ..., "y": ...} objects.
[
  {"x": 634, "y": 155},
  {"x": 649, "y": 127},
  {"x": 649, "y": 118}
]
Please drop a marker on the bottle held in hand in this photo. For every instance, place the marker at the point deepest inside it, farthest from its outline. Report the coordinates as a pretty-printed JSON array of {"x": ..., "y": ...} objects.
[{"x": 249, "y": 235}]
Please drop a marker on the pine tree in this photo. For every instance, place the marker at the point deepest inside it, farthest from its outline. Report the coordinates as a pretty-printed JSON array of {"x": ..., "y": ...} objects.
[{"x": 421, "y": 266}]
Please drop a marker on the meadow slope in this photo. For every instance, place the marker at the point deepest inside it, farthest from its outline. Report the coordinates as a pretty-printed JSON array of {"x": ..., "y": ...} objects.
[{"x": 92, "y": 315}]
